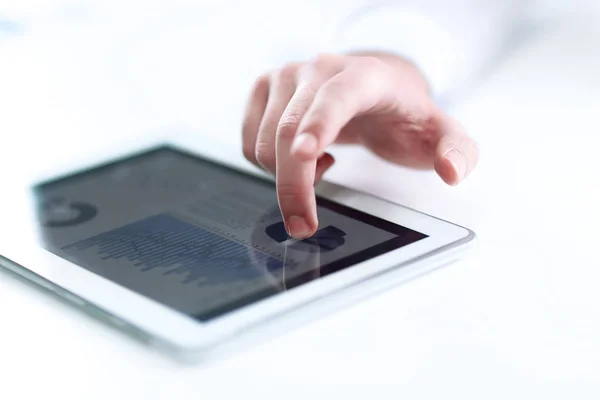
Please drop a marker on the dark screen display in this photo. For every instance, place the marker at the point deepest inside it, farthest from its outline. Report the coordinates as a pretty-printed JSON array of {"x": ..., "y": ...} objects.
[{"x": 197, "y": 236}]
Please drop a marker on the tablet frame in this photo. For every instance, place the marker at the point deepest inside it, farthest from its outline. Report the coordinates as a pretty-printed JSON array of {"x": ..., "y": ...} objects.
[{"x": 21, "y": 251}]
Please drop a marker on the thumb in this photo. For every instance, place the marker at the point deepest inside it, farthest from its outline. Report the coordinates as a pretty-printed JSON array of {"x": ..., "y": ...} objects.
[{"x": 456, "y": 153}]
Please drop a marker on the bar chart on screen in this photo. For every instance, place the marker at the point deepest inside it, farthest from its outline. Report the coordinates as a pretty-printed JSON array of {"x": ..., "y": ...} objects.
[{"x": 165, "y": 242}]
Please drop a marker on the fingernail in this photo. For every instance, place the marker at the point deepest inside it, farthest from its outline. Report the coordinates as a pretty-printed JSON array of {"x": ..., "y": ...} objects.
[
  {"x": 459, "y": 163},
  {"x": 305, "y": 144},
  {"x": 297, "y": 227}
]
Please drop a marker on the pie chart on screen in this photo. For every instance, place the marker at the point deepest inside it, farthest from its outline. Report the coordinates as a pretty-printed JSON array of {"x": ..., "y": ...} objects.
[{"x": 61, "y": 213}]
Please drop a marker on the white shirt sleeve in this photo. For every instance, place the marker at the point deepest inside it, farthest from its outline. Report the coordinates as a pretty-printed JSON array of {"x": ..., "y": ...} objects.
[{"x": 450, "y": 41}]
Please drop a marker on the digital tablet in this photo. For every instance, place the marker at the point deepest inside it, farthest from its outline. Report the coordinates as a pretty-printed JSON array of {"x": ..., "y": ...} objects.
[{"x": 187, "y": 250}]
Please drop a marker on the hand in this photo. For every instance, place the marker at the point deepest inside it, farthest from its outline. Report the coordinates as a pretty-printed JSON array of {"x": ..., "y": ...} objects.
[{"x": 377, "y": 100}]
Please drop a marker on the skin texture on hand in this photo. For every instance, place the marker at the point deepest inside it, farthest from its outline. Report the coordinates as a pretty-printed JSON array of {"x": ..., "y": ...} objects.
[{"x": 376, "y": 100}]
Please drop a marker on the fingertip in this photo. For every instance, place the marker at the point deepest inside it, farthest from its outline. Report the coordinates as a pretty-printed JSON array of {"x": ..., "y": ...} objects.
[
  {"x": 298, "y": 209},
  {"x": 450, "y": 168},
  {"x": 456, "y": 155},
  {"x": 299, "y": 227}
]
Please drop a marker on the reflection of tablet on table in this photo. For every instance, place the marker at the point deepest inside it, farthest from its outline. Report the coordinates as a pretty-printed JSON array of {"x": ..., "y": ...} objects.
[{"x": 186, "y": 251}]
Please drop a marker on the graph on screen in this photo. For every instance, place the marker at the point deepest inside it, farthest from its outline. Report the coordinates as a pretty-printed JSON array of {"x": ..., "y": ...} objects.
[{"x": 175, "y": 247}]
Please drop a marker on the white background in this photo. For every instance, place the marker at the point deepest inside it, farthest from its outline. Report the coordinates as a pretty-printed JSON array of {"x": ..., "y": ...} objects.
[{"x": 519, "y": 317}]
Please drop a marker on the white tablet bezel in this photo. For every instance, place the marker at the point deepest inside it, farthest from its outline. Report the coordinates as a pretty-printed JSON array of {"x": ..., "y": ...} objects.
[{"x": 21, "y": 246}]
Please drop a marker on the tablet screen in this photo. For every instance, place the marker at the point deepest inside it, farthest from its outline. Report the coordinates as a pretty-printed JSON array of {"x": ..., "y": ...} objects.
[{"x": 196, "y": 236}]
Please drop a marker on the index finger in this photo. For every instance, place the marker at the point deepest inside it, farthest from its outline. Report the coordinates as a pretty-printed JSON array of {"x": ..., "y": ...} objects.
[
  {"x": 295, "y": 178},
  {"x": 324, "y": 114}
]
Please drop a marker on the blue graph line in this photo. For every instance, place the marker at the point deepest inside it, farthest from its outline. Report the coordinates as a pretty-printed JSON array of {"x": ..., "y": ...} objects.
[{"x": 179, "y": 248}]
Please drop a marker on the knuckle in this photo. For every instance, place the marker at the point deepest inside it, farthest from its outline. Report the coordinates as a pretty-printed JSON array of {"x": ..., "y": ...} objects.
[
  {"x": 265, "y": 155},
  {"x": 261, "y": 83},
  {"x": 289, "y": 193},
  {"x": 287, "y": 129},
  {"x": 332, "y": 94},
  {"x": 288, "y": 124},
  {"x": 370, "y": 63},
  {"x": 288, "y": 72},
  {"x": 334, "y": 89},
  {"x": 321, "y": 66},
  {"x": 324, "y": 61}
]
